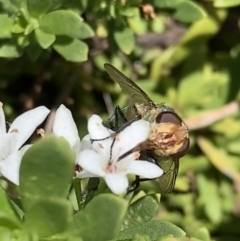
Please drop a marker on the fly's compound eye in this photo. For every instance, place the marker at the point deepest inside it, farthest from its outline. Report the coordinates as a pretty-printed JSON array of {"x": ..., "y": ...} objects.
[
  {"x": 183, "y": 150},
  {"x": 173, "y": 118},
  {"x": 168, "y": 117}
]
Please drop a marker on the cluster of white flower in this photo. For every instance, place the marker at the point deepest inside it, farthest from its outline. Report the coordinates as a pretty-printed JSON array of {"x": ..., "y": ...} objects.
[{"x": 102, "y": 153}]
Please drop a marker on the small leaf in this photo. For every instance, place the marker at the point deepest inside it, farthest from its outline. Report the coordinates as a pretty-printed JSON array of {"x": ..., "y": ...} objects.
[
  {"x": 42, "y": 213},
  {"x": 211, "y": 198},
  {"x": 62, "y": 22},
  {"x": 7, "y": 215},
  {"x": 45, "y": 40},
  {"x": 9, "y": 49},
  {"x": 188, "y": 11},
  {"x": 6, "y": 24},
  {"x": 166, "y": 3},
  {"x": 101, "y": 218},
  {"x": 125, "y": 40},
  {"x": 38, "y": 8},
  {"x": 153, "y": 229},
  {"x": 71, "y": 49},
  {"x": 202, "y": 234},
  {"x": 141, "y": 211},
  {"x": 226, "y": 4},
  {"x": 46, "y": 170},
  {"x": 84, "y": 32},
  {"x": 220, "y": 159},
  {"x": 33, "y": 48}
]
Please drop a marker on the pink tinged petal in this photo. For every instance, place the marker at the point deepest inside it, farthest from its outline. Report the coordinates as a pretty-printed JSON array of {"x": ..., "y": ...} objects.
[
  {"x": 144, "y": 169},
  {"x": 7, "y": 145},
  {"x": 91, "y": 161},
  {"x": 117, "y": 183},
  {"x": 10, "y": 167},
  {"x": 64, "y": 126},
  {"x": 131, "y": 137},
  {"x": 2, "y": 121},
  {"x": 26, "y": 123}
]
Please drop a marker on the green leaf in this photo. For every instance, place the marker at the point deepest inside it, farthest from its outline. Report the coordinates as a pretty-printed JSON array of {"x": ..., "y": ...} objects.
[
  {"x": 211, "y": 198},
  {"x": 226, "y": 4},
  {"x": 153, "y": 229},
  {"x": 38, "y": 8},
  {"x": 6, "y": 24},
  {"x": 9, "y": 6},
  {"x": 62, "y": 22},
  {"x": 188, "y": 11},
  {"x": 125, "y": 40},
  {"x": 141, "y": 211},
  {"x": 46, "y": 170},
  {"x": 220, "y": 159},
  {"x": 48, "y": 216},
  {"x": 166, "y": 3},
  {"x": 84, "y": 32},
  {"x": 101, "y": 218},
  {"x": 202, "y": 234},
  {"x": 33, "y": 48},
  {"x": 45, "y": 40},
  {"x": 71, "y": 49},
  {"x": 7, "y": 215},
  {"x": 9, "y": 49}
]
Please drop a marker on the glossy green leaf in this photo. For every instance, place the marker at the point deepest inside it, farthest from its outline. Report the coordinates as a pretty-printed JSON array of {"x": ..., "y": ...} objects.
[
  {"x": 45, "y": 40},
  {"x": 189, "y": 11},
  {"x": 101, "y": 218},
  {"x": 125, "y": 40},
  {"x": 71, "y": 49},
  {"x": 153, "y": 229},
  {"x": 6, "y": 24},
  {"x": 226, "y": 4},
  {"x": 38, "y": 8},
  {"x": 211, "y": 198},
  {"x": 141, "y": 211},
  {"x": 62, "y": 22},
  {"x": 48, "y": 216},
  {"x": 46, "y": 170}
]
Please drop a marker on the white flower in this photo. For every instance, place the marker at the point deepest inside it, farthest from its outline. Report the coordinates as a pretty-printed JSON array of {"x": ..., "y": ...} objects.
[
  {"x": 10, "y": 142},
  {"x": 114, "y": 157},
  {"x": 64, "y": 126}
]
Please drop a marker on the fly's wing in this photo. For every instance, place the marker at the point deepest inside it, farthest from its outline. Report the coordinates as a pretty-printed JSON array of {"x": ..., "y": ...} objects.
[
  {"x": 127, "y": 85},
  {"x": 168, "y": 179}
]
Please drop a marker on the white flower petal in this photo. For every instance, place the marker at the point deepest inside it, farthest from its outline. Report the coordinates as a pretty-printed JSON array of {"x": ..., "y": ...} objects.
[
  {"x": 101, "y": 135},
  {"x": 2, "y": 121},
  {"x": 117, "y": 183},
  {"x": 96, "y": 129},
  {"x": 7, "y": 145},
  {"x": 65, "y": 126},
  {"x": 26, "y": 123},
  {"x": 10, "y": 167},
  {"x": 144, "y": 169},
  {"x": 84, "y": 174},
  {"x": 86, "y": 143},
  {"x": 130, "y": 137},
  {"x": 91, "y": 161}
]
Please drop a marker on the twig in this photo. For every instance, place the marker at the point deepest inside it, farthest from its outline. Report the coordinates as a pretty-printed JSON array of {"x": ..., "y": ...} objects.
[{"x": 212, "y": 116}]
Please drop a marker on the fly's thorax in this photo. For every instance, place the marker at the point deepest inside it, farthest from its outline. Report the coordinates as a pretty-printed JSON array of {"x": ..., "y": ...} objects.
[
  {"x": 147, "y": 112},
  {"x": 168, "y": 136}
]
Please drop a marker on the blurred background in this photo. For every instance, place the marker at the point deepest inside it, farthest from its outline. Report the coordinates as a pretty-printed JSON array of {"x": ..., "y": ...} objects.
[{"x": 181, "y": 52}]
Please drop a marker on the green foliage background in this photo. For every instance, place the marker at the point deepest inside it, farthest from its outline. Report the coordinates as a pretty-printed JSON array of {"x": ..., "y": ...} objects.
[{"x": 181, "y": 52}]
